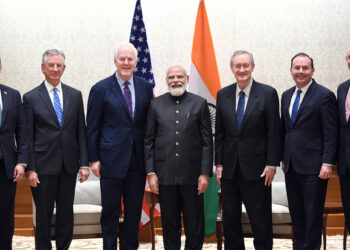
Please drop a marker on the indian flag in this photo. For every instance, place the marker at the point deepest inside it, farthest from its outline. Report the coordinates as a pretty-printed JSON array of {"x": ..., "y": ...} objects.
[{"x": 205, "y": 81}]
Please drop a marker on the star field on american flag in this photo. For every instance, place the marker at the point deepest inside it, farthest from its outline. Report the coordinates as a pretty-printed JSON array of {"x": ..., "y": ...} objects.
[{"x": 138, "y": 38}]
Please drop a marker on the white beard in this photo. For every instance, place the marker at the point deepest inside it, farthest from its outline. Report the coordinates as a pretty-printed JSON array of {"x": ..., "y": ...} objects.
[{"x": 177, "y": 91}]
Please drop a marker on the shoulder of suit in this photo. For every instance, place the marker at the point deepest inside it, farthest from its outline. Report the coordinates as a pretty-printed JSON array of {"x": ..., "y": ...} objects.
[
  {"x": 344, "y": 84},
  {"x": 263, "y": 87},
  {"x": 8, "y": 89},
  {"x": 288, "y": 90},
  {"x": 139, "y": 80},
  {"x": 34, "y": 91},
  {"x": 322, "y": 89},
  {"x": 69, "y": 88},
  {"x": 195, "y": 97},
  {"x": 226, "y": 89}
]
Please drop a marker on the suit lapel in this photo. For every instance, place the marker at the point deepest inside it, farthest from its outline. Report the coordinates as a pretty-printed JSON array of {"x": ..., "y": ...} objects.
[
  {"x": 115, "y": 88},
  {"x": 308, "y": 96},
  {"x": 251, "y": 105},
  {"x": 231, "y": 104},
  {"x": 138, "y": 97},
  {"x": 287, "y": 104},
  {"x": 342, "y": 99},
  {"x": 66, "y": 102},
  {"x": 44, "y": 95},
  {"x": 5, "y": 100}
]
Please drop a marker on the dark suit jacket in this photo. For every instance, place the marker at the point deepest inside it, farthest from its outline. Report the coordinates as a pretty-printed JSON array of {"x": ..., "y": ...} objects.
[
  {"x": 111, "y": 131},
  {"x": 257, "y": 143},
  {"x": 344, "y": 131},
  {"x": 313, "y": 138},
  {"x": 13, "y": 139},
  {"x": 179, "y": 152},
  {"x": 51, "y": 146}
]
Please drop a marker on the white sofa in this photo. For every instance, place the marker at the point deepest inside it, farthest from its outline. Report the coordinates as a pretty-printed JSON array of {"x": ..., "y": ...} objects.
[{"x": 87, "y": 210}]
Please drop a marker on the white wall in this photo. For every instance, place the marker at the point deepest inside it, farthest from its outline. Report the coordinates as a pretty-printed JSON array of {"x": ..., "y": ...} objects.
[{"x": 89, "y": 31}]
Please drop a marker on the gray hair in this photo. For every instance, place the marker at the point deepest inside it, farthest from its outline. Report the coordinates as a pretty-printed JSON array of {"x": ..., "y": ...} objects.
[
  {"x": 241, "y": 52},
  {"x": 179, "y": 66},
  {"x": 125, "y": 44},
  {"x": 53, "y": 52}
]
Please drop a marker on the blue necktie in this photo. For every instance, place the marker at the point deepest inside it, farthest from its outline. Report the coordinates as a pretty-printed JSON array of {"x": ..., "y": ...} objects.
[
  {"x": 295, "y": 106},
  {"x": 57, "y": 106},
  {"x": 127, "y": 96},
  {"x": 240, "y": 109}
]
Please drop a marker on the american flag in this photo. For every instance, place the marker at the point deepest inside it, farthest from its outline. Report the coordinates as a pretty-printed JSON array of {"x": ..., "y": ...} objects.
[{"x": 138, "y": 38}]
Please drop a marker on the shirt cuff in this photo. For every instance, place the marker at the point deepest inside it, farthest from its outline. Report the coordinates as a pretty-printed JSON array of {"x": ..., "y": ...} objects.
[
  {"x": 84, "y": 167},
  {"x": 150, "y": 173},
  {"x": 23, "y": 164},
  {"x": 272, "y": 167}
]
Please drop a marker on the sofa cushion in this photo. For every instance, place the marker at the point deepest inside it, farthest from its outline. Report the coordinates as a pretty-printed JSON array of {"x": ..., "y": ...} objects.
[
  {"x": 84, "y": 214},
  {"x": 280, "y": 215},
  {"x": 88, "y": 192},
  {"x": 279, "y": 193}
]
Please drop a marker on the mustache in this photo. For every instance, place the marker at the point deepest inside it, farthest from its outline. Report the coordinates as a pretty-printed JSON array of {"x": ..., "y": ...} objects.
[{"x": 174, "y": 84}]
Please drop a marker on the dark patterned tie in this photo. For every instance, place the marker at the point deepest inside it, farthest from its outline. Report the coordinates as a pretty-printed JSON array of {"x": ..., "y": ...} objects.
[
  {"x": 127, "y": 96},
  {"x": 240, "y": 109}
]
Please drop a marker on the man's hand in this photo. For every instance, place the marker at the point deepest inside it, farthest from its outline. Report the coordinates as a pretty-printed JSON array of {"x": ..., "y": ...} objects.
[
  {"x": 283, "y": 166},
  {"x": 269, "y": 174},
  {"x": 32, "y": 179},
  {"x": 18, "y": 173},
  {"x": 325, "y": 172},
  {"x": 83, "y": 174},
  {"x": 203, "y": 182},
  {"x": 218, "y": 174},
  {"x": 96, "y": 167},
  {"x": 153, "y": 183}
]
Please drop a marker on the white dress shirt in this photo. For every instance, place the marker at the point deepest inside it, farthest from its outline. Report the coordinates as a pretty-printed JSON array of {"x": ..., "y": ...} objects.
[{"x": 50, "y": 88}]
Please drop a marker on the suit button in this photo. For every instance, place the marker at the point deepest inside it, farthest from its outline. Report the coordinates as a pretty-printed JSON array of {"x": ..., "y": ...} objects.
[
  {"x": 177, "y": 102},
  {"x": 177, "y": 111},
  {"x": 177, "y": 132},
  {"x": 177, "y": 143},
  {"x": 177, "y": 154},
  {"x": 177, "y": 122}
]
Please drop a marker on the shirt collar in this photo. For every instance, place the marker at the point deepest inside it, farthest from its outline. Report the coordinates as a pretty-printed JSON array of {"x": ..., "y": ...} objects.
[
  {"x": 305, "y": 88},
  {"x": 246, "y": 90},
  {"x": 121, "y": 81},
  {"x": 50, "y": 88}
]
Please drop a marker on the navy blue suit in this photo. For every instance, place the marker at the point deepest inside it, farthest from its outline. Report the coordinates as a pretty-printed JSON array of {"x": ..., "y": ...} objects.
[
  {"x": 117, "y": 141},
  {"x": 13, "y": 150},
  {"x": 344, "y": 150},
  {"x": 309, "y": 142}
]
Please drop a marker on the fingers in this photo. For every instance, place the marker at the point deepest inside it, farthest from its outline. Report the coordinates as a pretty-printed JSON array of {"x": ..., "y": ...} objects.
[
  {"x": 18, "y": 173},
  {"x": 218, "y": 174},
  {"x": 96, "y": 167},
  {"x": 153, "y": 183},
  {"x": 83, "y": 174},
  {"x": 32, "y": 179}
]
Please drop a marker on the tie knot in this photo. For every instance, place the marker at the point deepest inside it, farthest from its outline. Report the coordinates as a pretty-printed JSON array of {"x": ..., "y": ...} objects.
[
  {"x": 299, "y": 91},
  {"x": 241, "y": 93},
  {"x": 126, "y": 84}
]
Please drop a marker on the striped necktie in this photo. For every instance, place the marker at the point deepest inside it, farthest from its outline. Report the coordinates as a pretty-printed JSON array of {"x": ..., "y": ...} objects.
[{"x": 57, "y": 106}]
